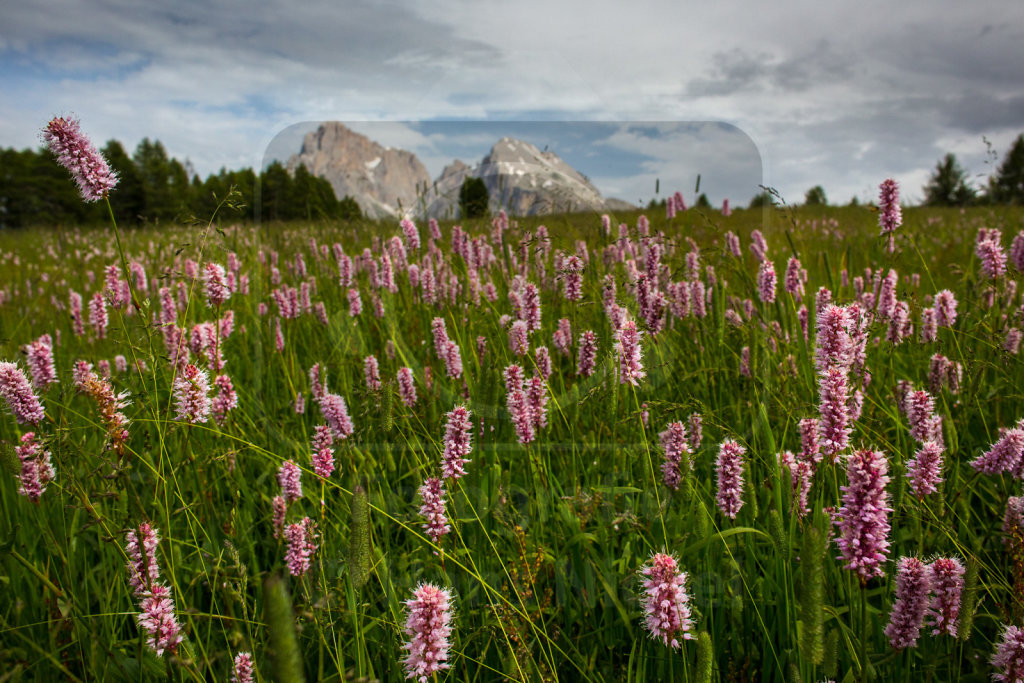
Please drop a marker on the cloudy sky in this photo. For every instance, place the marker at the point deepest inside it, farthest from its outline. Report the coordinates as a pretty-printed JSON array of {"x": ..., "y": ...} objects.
[{"x": 791, "y": 94}]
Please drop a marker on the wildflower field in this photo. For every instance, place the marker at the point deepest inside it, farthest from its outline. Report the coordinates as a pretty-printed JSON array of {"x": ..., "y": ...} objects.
[{"x": 773, "y": 445}]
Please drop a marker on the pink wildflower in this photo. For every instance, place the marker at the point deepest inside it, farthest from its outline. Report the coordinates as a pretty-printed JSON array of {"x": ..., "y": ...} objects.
[
  {"x": 406, "y": 387},
  {"x": 863, "y": 519},
  {"x": 17, "y": 393},
  {"x": 323, "y": 454},
  {"x": 794, "y": 283},
  {"x": 889, "y": 213},
  {"x": 834, "y": 423},
  {"x": 518, "y": 338},
  {"x": 457, "y": 443},
  {"x": 429, "y": 628},
  {"x": 537, "y": 399},
  {"x": 563, "y": 337},
  {"x": 730, "y": 478},
  {"x": 157, "y": 615},
  {"x": 36, "y": 467},
  {"x": 801, "y": 472},
  {"x": 947, "y": 579},
  {"x": 913, "y": 586},
  {"x": 673, "y": 442},
  {"x": 225, "y": 400},
  {"x": 157, "y": 618},
  {"x": 628, "y": 349},
  {"x": 190, "y": 391},
  {"x": 810, "y": 448},
  {"x": 355, "y": 303},
  {"x": 945, "y": 308},
  {"x": 766, "y": 282},
  {"x": 925, "y": 469},
  {"x": 335, "y": 412},
  {"x": 920, "y": 409},
  {"x": 242, "y": 671},
  {"x": 301, "y": 539},
  {"x": 452, "y": 359},
  {"x": 834, "y": 344},
  {"x": 76, "y": 153},
  {"x": 1004, "y": 455},
  {"x": 39, "y": 356},
  {"x": 666, "y": 603},
  {"x": 1009, "y": 656},
  {"x": 543, "y": 360},
  {"x": 587, "y": 354},
  {"x": 280, "y": 507},
  {"x": 217, "y": 290},
  {"x": 372, "y": 373},
  {"x": 98, "y": 315},
  {"x": 290, "y": 478},
  {"x": 695, "y": 431},
  {"x": 432, "y": 494},
  {"x": 991, "y": 255}
]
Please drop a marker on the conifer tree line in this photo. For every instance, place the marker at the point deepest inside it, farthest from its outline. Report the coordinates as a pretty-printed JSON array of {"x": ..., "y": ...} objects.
[{"x": 154, "y": 188}]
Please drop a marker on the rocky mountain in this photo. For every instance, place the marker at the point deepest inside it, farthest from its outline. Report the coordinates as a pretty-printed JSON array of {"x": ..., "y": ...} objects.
[
  {"x": 520, "y": 178},
  {"x": 379, "y": 178},
  {"x": 523, "y": 180}
]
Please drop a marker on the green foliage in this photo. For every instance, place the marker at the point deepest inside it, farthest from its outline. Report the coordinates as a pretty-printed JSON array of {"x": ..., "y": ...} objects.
[
  {"x": 948, "y": 184},
  {"x": 702, "y": 202},
  {"x": 815, "y": 196},
  {"x": 761, "y": 200},
  {"x": 473, "y": 198},
  {"x": 284, "y": 647},
  {"x": 154, "y": 188},
  {"x": 546, "y": 540},
  {"x": 1008, "y": 184},
  {"x": 812, "y": 595}
]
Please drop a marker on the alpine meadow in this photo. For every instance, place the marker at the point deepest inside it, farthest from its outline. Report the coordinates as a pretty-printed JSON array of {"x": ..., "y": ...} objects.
[{"x": 687, "y": 443}]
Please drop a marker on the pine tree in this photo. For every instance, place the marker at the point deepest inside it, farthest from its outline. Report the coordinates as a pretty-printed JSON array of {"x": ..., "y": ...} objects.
[
  {"x": 473, "y": 198},
  {"x": 1008, "y": 185},
  {"x": 948, "y": 184},
  {"x": 815, "y": 196}
]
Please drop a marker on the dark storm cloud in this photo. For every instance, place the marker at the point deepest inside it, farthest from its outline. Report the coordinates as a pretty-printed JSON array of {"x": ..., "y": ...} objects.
[
  {"x": 739, "y": 70},
  {"x": 361, "y": 40}
]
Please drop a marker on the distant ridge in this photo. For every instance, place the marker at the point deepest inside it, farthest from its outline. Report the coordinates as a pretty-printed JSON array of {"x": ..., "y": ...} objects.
[{"x": 519, "y": 177}]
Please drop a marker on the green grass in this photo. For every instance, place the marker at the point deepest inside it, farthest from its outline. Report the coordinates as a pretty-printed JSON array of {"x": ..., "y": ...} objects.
[{"x": 547, "y": 539}]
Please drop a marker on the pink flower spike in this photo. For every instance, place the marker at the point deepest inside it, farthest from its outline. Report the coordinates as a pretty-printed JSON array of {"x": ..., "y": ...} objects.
[
  {"x": 190, "y": 392},
  {"x": 323, "y": 454},
  {"x": 428, "y": 626},
  {"x": 17, "y": 393},
  {"x": 631, "y": 368},
  {"x": 242, "y": 672},
  {"x": 925, "y": 469},
  {"x": 76, "y": 153},
  {"x": 730, "y": 478},
  {"x": 673, "y": 442},
  {"x": 407, "y": 387},
  {"x": 913, "y": 585},
  {"x": 457, "y": 443},
  {"x": 666, "y": 603},
  {"x": 335, "y": 413},
  {"x": 1009, "y": 656},
  {"x": 947, "y": 579},
  {"x": 301, "y": 539},
  {"x": 889, "y": 213},
  {"x": 863, "y": 518},
  {"x": 432, "y": 494},
  {"x": 289, "y": 476},
  {"x": 39, "y": 355}
]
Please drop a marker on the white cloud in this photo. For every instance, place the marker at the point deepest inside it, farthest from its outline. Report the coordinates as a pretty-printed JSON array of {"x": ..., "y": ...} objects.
[{"x": 838, "y": 94}]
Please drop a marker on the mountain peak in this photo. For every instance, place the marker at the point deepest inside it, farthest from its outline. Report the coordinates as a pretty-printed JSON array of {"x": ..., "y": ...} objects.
[{"x": 520, "y": 178}]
